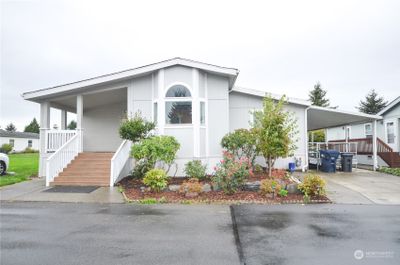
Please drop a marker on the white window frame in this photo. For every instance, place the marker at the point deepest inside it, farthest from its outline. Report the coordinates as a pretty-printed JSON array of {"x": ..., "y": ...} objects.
[
  {"x": 177, "y": 99},
  {"x": 30, "y": 143},
  {"x": 365, "y": 130}
]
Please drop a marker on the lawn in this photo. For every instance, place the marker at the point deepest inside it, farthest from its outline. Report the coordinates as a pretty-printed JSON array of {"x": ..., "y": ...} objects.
[{"x": 24, "y": 166}]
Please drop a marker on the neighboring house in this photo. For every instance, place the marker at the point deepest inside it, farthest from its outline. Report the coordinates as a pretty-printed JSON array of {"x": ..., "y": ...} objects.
[
  {"x": 388, "y": 132},
  {"x": 195, "y": 102},
  {"x": 19, "y": 140}
]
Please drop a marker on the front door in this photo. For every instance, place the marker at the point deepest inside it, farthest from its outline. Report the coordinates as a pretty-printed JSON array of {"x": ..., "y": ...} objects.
[{"x": 391, "y": 133}]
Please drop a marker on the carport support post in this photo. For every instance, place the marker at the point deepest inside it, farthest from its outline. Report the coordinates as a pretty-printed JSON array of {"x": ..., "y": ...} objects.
[
  {"x": 374, "y": 147},
  {"x": 79, "y": 115},
  {"x": 63, "y": 119}
]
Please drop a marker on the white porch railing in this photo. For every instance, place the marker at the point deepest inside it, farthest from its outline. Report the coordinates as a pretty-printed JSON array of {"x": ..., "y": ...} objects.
[
  {"x": 119, "y": 161},
  {"x": 57, "y": 138},
  {"x": 61, "y": 158}
]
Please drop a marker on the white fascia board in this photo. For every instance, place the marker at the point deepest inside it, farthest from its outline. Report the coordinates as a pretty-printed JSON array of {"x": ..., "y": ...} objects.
[
  {"x": 232, "y": 72},
  {"x": 360, "y": 114},
  {"x": 260, "y": 93},
  {"x": 388, "y": 107}
]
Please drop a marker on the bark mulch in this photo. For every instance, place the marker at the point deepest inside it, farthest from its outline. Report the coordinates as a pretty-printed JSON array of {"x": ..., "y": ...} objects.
[{"x": 133, "y": 193}]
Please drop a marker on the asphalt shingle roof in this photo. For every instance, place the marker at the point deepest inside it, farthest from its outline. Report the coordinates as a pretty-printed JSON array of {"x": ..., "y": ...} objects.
[{"x": 4, "y": 133}]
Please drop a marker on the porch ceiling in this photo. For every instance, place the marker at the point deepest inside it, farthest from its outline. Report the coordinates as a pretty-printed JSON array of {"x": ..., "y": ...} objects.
[
  {"x": 91, "y": 100},
  {"x": 320, "y": 118}
]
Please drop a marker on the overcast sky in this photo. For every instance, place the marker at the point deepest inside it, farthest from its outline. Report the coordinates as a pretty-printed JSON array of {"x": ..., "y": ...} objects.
[{"x": 279, "y": 46}]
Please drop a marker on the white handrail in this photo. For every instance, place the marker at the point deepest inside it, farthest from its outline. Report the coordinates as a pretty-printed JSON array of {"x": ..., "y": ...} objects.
[
  {"x": 119, "y": 161},
  {"x": 61, "y": 158},
  {"x": 57, "y": 138}
]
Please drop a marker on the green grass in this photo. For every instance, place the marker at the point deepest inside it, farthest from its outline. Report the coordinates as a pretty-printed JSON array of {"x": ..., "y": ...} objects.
[{"x": 24, "y": 166}]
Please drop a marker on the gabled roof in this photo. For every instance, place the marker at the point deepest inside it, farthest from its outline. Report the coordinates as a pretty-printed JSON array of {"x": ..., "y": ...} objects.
[
  {"x": 126, "y": 74},
  {"x": 260, "y": 93},
  {"x": 389, "y": 106},
  {"x": 4, "y": 133}
]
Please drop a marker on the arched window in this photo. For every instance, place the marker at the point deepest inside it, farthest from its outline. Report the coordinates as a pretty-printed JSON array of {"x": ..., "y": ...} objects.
[{"x": 178, "y": 105}]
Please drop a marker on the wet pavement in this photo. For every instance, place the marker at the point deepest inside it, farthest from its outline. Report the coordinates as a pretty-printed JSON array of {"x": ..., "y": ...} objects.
[
  {"x": 318, "y": 234},
  {"x": 89, "y": 233}
]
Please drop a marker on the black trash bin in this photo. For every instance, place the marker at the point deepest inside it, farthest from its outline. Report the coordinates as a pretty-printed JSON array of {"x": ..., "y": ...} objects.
[
  {"x": 347, "y": 162},
  {"x": 328, "y": 160}
]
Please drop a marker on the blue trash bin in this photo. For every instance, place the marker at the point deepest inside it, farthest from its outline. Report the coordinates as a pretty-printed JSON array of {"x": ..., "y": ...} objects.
[
  {"x": 292, "y": 167},
  {"x": 328, "y": 160}
]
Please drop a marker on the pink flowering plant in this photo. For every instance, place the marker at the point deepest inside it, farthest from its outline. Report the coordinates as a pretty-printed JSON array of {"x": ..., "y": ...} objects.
[{"x": 231, "y": 173}]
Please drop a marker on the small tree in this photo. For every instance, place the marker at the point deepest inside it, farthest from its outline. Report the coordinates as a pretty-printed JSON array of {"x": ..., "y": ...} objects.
[
  {"x": 372, "y": 104},
  {"x": 11, "y": 128},
  {"x": 71, "y": 125},
  {"x": 32, "y": 127},
  {"x": 276, "y": 130},
  {"x": 136, "y": 128},
  {"x": 317, "y": 136},
  {"x": 241, "y": 143},
  {"x": 317, "y": 96}
]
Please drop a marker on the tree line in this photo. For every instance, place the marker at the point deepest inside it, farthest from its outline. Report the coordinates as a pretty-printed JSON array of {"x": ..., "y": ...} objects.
[{"x": 33, "y": 126}]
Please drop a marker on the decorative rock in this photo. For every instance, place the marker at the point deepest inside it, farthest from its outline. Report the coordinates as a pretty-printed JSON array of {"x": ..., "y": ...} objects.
[
  {"x": 206, "y": 188},
  {"x": 293, "y": 189},
  {"x": 174, "y": 187},
  {"x": 252, "y": 186},
  {"x": 215, "y": 187},
  {"x": 191, "y": 194}
]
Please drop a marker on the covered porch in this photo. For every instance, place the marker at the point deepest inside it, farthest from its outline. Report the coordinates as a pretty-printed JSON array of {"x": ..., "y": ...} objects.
[
  {"x": 98, "y": 116},
  {"x": 324, "y": 118}
]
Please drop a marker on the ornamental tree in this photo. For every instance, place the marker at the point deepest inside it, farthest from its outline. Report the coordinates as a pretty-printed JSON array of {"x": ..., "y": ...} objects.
[
  {"x": 276, "y": 131},
  {"x": 135, "y": 128}
]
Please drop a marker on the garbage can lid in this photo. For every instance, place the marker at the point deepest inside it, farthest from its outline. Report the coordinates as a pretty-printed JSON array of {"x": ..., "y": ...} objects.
[{"x": 346, "y": 154}]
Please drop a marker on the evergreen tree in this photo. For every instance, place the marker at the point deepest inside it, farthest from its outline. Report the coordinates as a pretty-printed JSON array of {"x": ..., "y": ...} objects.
[
  {"x": 33, "y": 127},
  {"x": 72, "y": 125},
  {"x": 317, "y": 96},
  {"x": 11, "y": 128},
  {"x": 372, "y": 104}
]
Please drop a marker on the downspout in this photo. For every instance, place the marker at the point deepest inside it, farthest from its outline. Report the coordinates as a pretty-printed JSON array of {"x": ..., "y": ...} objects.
[{"x": 305, "y": 167}]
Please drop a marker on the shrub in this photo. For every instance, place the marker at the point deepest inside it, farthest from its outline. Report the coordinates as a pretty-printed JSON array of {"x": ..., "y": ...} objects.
[
  {"x": 388, "y": 170},
  {"x": 241, "y": 143},
  {"x": 156, "y": 179},
  {"x": 269, "y": 186},
  {"x": 136, "y": 128},
  {"x": 140, "y": 169},
  {"x": 29, "y": 150},
  {"x": 195, "y": 169},
  {"x": 6, "y": 148},
  {"x": 283, "y": 193},
  {"x": 191, "y": 186},
  {"x": 156, "y": 149},
  {"x": 231, "y": 173},
  {"x": 258, "y": 168},
  {"x": 312, "y": 185}
]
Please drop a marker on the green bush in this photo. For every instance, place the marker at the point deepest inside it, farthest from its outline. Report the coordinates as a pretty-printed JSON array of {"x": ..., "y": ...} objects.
[
  {"x": 389, "y": 170},
  {"x": 6, "y": 148},
  {"x": 156, "y": 149},
  {"x": 29, "y": 150},
  {"x": 231, "y": 173},
  {"x": 283, "y": 193},
  {"x": 156, "y": 179},
  {"x": 312, "y": 185},
  {"x": 194, "y": 169},
  {"x": 140, "y": 169},
  {"x": 136, "y": 128},
  {"x": 269, "y": 186},
  {"x": 191, "y": 186},
  {"x": 241, "y": 143}
]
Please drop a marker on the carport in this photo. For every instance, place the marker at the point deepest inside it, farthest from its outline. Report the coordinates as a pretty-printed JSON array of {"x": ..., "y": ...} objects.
[{"x": 324, "y": 118}]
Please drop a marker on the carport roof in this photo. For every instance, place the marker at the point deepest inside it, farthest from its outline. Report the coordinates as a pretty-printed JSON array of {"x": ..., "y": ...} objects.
[{"x": 321, "y": 118}]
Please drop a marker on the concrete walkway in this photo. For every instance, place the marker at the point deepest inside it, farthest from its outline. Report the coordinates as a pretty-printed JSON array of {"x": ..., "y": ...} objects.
[
  {"x": 35, "y": 190},
  {"x": 362, "y": 187}
]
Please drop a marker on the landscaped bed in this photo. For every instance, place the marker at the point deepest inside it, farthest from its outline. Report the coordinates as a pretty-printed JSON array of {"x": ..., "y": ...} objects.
[{"x": 136, "y": 191}]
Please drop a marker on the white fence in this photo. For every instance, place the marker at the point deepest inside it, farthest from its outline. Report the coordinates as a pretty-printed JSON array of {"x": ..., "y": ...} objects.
[
  {"x": 57, "y": 138},
  {"x": 61, "y": 158},
  {"x": 120, "y": 162}
]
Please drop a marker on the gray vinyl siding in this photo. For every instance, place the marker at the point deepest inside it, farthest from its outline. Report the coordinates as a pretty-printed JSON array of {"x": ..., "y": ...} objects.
[{"x": 181, "y": 74}]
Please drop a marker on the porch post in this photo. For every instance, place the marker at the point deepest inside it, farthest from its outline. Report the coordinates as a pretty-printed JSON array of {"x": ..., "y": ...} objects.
[
  {"x": 374, "y": 147},
  {"x": 63, "y": 119},
  {"x": 79, "y": 115},
  {"x": 44, "y": 127}
]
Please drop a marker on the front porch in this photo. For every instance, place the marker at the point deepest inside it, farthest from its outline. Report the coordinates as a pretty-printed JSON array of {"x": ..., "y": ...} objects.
[{"x": 90, "y": 154}]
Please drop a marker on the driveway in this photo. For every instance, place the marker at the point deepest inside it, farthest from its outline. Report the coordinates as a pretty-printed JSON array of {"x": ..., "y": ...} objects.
[
  {"x": 319, "y": 234},
  {"x": 363, "y": 187},
  {"x": 78, "y": 233}
]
